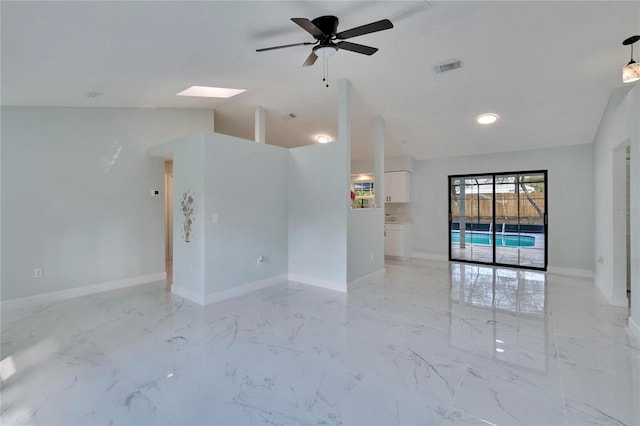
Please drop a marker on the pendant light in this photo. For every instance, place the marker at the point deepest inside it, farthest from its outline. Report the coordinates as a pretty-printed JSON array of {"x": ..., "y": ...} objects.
[{"x": 631, "y": 71}]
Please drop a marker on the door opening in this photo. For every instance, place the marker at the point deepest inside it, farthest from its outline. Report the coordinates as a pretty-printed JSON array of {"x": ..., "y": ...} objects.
[
  {"x": 628, "y": 223},
  {"x": 499, "y": 219},
  {"x": 168, "y": 219}
]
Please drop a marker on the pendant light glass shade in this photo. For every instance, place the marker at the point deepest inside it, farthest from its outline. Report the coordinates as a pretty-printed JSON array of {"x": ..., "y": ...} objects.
[{"x": 631, "y": 71}]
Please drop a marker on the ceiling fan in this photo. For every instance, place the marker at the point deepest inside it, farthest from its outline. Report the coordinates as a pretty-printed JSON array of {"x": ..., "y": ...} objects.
[{"x": 328, "y": 40}]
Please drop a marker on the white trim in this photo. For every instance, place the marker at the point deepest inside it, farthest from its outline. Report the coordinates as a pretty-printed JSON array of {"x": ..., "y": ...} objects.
[
  {"x": 243, "y": 289},
  {"x": 55, "y": 296},
  {"x": 429, "y": 256},
  {"x": 191, "y": 296},
  {"x": 571, "y": 272},
  {"x": 329, "y": 285},
  {"x": 608, "y": 294},
  {"x": 218, "y": 296},
  {"x": 371, "y": 276},
  {"x": 606, "y": 291},
  {"x": 634, "y": 329}
]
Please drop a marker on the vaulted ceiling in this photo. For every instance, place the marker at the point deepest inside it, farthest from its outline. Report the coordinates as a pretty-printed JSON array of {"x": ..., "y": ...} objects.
[{"x": 546, "y": 67}]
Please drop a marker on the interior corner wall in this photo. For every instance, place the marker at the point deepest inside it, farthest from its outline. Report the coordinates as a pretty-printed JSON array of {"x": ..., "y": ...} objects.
[
  {"x": 318, "y": 205},
  {"x": 246, "y": 189},
  {"x": 76, "y": 194},
  {"x": 365, "y": 246},
  {"x": 189, "y": 198},
  {"x": 570, "y": 198},
  {"x": 620, "y": 126}
]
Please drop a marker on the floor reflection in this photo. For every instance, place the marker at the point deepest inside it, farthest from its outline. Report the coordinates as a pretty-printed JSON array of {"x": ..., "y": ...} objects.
[{"x": 512, "y": 303}]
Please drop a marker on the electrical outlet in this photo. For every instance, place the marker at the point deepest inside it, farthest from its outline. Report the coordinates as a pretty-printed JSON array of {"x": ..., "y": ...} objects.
[
  {"x": 37, "y": 273},
  {"x": 372, "y": 256},
  {"x": 261, "y": 260},
  {"x": 600, "y": 259}
]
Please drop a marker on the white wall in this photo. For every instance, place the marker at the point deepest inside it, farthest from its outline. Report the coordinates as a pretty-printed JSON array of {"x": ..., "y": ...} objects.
[
  {"x": 365, "y": 239},
  {"x": 619, "y": 127},
  {"x": 569, "y": 195},
  {"x": 188, "y": 257},
  {"x": 75, "y": 194},
  {"x": 318, "y": 205},
  {"x": 246, "y": 186}
]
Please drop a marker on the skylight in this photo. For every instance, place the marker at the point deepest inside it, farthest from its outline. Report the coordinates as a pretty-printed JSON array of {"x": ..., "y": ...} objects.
[{"x": 210, "y": 92}]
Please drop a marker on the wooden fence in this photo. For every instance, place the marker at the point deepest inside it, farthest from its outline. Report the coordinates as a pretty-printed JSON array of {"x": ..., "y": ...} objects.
[{"x": 506, "y": 206}]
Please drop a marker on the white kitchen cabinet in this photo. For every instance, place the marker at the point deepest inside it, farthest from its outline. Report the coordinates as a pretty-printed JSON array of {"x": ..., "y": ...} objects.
[
  {"x": 397, "y": 240},
  {"x": 396, "y": 187}
]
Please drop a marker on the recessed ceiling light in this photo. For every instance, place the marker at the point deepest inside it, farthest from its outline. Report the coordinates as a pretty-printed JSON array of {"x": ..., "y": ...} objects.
[
  {"x": 210, "y": 92},
  {"x": 323, "y": 139},
  {"x": 488, "y": 118}
]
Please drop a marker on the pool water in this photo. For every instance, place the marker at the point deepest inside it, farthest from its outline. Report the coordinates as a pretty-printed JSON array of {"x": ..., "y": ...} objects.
[{"x": 482, "y": 238}]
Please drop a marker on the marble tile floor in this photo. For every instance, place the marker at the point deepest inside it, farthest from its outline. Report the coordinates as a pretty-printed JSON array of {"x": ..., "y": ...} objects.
[{"x": 431, "y": 343}]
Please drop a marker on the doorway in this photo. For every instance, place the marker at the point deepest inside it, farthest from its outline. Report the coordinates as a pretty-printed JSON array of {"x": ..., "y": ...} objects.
[
  {"x": 628, "y": 222},
  {"x": 499, "y": 219},
  {"x": 168, "y": 220}
]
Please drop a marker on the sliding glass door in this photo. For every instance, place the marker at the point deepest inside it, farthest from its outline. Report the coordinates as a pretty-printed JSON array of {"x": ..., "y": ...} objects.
[{"x": 499, "y": 218}]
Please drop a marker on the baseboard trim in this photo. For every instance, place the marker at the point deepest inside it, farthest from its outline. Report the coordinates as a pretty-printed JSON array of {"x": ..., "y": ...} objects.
[
  {"x": 243, "y": 289},
  {"x": 429, "y": 256},
  {"x": 71, "y": 293},
  {"x": 608, "y": 294},
  {"x": 187, "y": 294},
  {"x": 218, "y": 296},
  {"x": 377, "y": 274},
  {"x": 634, "y": 329},
  {"x": 329, "y": 285},
  {"x": 571, "y": 272}
]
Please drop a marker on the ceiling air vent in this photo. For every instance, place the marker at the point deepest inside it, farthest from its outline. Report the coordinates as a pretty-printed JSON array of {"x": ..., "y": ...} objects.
[
  {"x": 448, "y": 66},
  {"x": 288, "y": 116},
  {"x": 93, "y": 94}
]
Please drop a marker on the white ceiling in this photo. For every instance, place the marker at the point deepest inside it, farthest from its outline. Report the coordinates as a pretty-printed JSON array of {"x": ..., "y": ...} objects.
[{"x": 547, "y": 67}]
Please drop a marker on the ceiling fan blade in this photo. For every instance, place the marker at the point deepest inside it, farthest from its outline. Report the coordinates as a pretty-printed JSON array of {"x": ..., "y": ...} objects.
[
  {"x": 308, "y": 26},
  {"x": 373, "y": 27},
  {"x": 311, "y": 59},
  {"x": 306, "y": 43},
  {"x": 358, "y": 48}
]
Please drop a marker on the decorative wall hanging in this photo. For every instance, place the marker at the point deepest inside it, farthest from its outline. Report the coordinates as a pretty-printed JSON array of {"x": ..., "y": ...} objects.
[{"x": 187, "y": 210}]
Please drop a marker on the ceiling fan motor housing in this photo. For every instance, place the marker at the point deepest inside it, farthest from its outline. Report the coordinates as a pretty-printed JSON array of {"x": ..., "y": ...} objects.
[{"x": 328, "y": 25}]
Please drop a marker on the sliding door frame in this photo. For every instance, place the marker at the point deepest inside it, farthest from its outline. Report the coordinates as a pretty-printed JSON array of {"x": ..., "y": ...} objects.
[{"x": 493, "y": 175}]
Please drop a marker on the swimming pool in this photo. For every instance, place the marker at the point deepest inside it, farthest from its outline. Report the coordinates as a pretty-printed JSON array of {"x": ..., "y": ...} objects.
[{"x": 484, "y": 238}]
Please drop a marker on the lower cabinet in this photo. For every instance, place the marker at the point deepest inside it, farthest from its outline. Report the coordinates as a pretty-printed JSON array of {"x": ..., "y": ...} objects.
[{"x": 397, "y": 240}]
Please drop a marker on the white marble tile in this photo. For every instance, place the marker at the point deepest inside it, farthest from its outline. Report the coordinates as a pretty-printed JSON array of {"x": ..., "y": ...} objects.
[
  {"x": 508, "y": 401},
  {"x": 429, "y": 343},
  {"x": 583, "y": 414},
  {"x": 456, "y": 418},
  {"x": 618, "y": 358},
  {"x": 610, "y": 395}
]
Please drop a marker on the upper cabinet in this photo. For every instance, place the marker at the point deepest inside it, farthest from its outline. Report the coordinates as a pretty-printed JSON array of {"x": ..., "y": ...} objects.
[{"x": 396, "y": 187}]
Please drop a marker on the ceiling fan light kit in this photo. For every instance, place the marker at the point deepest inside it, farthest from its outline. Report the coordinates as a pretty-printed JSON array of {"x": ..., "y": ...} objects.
[
  {"x": 631, "y": 71},
  {"x": 328, "y": 40}
]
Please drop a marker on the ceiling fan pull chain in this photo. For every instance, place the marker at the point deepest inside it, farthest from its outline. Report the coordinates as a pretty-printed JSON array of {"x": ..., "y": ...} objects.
[
  {"x": 324, "y": 69},
  {"x": 327, "y": 60}
]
